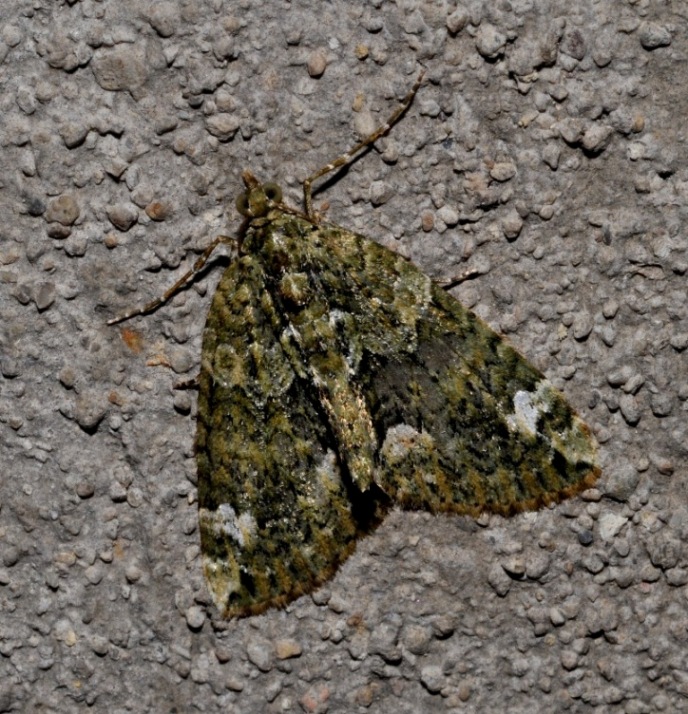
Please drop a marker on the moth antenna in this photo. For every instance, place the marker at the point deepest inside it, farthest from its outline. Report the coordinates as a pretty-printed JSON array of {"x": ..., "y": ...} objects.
[{"x": 350, "y": 155}]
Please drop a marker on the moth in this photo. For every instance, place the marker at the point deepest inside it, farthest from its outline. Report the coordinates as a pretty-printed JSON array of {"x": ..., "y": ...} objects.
[{"x": 337, "y": 382}]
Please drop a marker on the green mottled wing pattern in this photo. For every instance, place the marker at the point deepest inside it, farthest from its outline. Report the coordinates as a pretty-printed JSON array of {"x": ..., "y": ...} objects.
[
  {"x": 464, "y": 422},
  {"x": 453, "y": 418},
  {"x": 338, "y": 379},
  {"x": 276, "y": 517},
  {"x": 468, "y": 425}
]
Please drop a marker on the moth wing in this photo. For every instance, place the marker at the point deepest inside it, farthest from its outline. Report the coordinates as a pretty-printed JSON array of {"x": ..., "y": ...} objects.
[
  {"x": 464, "y": 423},
  {"x": 276, "y": 518}
]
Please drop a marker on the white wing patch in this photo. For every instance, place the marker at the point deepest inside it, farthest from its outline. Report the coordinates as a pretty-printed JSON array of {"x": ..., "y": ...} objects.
[
  {"x": 225, "y": 522},
  {"x": 529, "y": 407}
]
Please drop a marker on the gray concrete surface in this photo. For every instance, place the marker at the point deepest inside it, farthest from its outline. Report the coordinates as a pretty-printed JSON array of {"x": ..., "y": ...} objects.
[{"x": 547, "y": 150}]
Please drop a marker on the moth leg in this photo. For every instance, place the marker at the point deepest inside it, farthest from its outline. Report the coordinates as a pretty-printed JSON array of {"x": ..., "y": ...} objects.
[
  {"x": 468, "y": 274},
  {"x": 186, "y": 278},
  {"x": 349, "y": 156}
]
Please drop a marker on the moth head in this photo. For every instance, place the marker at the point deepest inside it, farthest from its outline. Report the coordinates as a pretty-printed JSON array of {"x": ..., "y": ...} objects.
[{"x": 258, "y": 198}]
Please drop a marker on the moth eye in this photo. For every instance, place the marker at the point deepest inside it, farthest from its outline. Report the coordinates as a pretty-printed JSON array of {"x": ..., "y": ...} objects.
[
  {"x": 243, "y": 205},
  {"x": 272, "y": 192}
]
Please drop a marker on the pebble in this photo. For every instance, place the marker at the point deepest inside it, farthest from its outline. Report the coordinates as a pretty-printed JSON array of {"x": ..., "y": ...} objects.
[
  {"x": 662, "y": 405},
  {"x": 337, "y": 604},
  {"x": 630, "y": 409},
  {"x": 503, "y": 171},
  {"x": 582, "y": 325},
  {"x": 158, "y": 210},
  {"x": 164, "y": 18},
  {"x": 499, "y": 580},
  {"x": 514, "y": 566},
  {"x": 444, "y": 626},
  {"x": 610, "y": 524},
  {"x": 315, "y": 700},
  {"x": 235, "y": 683},
  {"x": 556, "y": 617},
  {"x": 619, "y": 377},
  {"x": 537, "y": 566},
  {"x": 677, "y": 577},
  {"x": 383, "y": 641},
  {"x": 569, "y": 660},
  {"x": 120, "y": 68},
  {"x": 10, "y": 556},
  {"x": 679, "y": 341},
  {"x": 380, "y": 192},
  {"x": 99, "y": 645},
  {"x": 416, "y": 639},
  {"x": 610, "y": 309},
  {"x": 490, "y": 42},
  {"x": 448, "y": 215},
  {"x": 596, "y": 138},
  {"x": 43, "y": 295},
  {"x": 195, "y": 617},
  {"x": 664, "y": 551},
  {"x": 123, "y": 215},
  {"x": 133, "y": 573},
  {"x": 223, "y": 126},
  {"x": 457, "y": 19},
  {"x": 573, "y": 44},
  {"x": 571, "y": 130},
  {"x": 551, "y": 155},
  {"x": 652, "y": 35},
  {"x": 512, "y": 225},
  {"x": 64, "y": 209},
  {"x": 90, "y": 410},
  {"x": 94, "y": 574},
  {"x": 621, "y": 480},
  {"x": 633, "y": 384},
  {"x": 260, "y": 652},
  {"x": 287, "y": 649},
  {"x": 586, "y": 537},
  {"x": 317, "y": 63},
  {"x": 664, "y": 465},
  {"x": 432, "y": 678},
  {"x": 135, "y": 497}
]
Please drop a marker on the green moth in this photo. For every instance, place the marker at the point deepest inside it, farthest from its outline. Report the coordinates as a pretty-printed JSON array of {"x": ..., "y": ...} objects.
[{"x": 339, "y": 381}]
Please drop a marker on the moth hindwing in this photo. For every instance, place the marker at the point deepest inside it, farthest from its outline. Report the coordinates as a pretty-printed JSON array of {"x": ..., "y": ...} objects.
[{"x": 337, "y": 381}]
